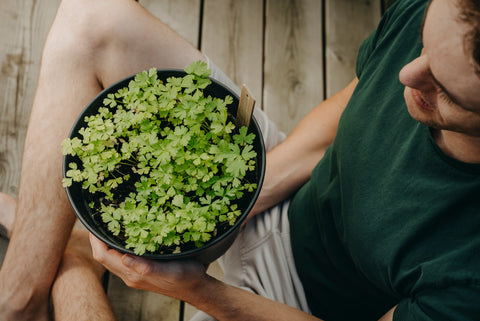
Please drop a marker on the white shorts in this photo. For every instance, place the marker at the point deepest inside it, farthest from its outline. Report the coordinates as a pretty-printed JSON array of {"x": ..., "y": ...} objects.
[{"x": 260, "y": 260}]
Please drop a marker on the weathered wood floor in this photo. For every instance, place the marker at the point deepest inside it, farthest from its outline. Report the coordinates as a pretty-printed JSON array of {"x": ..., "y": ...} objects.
[{"x": 291, "y": 53}]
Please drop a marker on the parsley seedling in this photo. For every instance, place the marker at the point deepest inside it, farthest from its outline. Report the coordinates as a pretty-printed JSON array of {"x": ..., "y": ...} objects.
[{"x": 163, "y": 164}]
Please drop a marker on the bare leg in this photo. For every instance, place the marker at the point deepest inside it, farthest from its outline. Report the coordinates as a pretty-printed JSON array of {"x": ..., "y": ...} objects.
[
  {"x": 77, "y": 292},
  {"x": 91, "y": 45}
]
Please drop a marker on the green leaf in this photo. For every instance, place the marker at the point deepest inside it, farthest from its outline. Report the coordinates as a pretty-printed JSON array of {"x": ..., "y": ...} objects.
[
  {"x": 71, "y": 146},
  {"x": 242, "y": 138},
  {"x": 248, "y": 153},
  {"x": 66, "y": 182},
  {"x": 237, "y": 167},
  {"x": 178, "y": 200},
  {"x": 198, "y": 68}
]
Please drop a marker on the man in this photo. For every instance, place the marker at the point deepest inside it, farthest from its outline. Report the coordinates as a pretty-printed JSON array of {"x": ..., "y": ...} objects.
[{"x": 384, "y": 227}]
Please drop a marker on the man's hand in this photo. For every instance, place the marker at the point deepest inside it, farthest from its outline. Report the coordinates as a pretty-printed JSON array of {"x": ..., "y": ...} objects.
[{"x": 177, "y": 279}]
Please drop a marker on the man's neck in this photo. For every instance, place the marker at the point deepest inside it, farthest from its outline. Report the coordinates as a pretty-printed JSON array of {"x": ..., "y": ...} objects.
[{"x": 459, "y": 146}]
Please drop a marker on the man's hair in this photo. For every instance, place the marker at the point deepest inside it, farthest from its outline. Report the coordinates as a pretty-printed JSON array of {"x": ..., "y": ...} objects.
[{"x": 470, "y": 14}]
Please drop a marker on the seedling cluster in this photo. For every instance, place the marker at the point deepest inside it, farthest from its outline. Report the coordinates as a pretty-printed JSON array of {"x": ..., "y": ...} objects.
[{"x": 162, "y": 163}]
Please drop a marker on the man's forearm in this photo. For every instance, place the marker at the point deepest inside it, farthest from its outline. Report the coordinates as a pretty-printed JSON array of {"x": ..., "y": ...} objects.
[
  {"x": 226, "y": 302},
  {"x": 290, "y": 164}
]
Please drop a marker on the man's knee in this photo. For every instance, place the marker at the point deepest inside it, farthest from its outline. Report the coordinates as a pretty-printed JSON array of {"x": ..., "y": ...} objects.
[
  {"x": 96, "y": 22},
  {"x": 87, "y": 22}
]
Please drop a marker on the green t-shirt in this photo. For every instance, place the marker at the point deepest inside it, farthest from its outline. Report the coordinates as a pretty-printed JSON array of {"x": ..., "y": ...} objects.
[{"x": 387, "y": 218}]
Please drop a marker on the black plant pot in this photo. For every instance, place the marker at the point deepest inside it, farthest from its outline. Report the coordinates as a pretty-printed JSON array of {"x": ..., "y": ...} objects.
[{"x": 209, "y": 252}]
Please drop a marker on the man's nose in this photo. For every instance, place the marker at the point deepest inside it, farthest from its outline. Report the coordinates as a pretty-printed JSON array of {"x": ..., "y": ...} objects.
[{"x": 417, "y": 74}]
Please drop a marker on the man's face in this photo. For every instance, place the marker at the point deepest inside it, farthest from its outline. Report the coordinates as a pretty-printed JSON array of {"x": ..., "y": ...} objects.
[{"x": 442, "y": 89}]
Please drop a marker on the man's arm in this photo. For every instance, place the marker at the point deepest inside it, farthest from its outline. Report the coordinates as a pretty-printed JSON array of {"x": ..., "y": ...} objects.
[
  {"x": 290, "y": 164},
  {"x": 226, "y": 302},
  {"x": 239, "y": 305},
  {"x": 188, "y": 281}
]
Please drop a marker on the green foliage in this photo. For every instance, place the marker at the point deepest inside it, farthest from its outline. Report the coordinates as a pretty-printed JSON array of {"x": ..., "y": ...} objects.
[{"x": 163, "y": 162}]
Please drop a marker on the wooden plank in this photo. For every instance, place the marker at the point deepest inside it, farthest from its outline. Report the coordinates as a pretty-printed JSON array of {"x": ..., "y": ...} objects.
[
  {"x": 131, "y": 304},
  {"x": 293, "y": 71},
  {"x": 347, "y": 24},
  {"x": 10, "y": 55},
  {"x": 232, "y": 37},
  {"x": 23, "y": 29},
  {"x": 183, "y": 16}
]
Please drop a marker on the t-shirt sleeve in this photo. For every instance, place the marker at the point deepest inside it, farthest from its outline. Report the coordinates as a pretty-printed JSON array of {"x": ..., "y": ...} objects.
[{"x": 460, "y": 303}]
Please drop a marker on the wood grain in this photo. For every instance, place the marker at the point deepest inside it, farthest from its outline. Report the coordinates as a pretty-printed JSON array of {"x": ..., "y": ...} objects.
[
  {"x": 344, "y": 34},
  {"x": 23, "y": 28},
  {"x": 232, "y": 36},
  {"x": 183, "y": 16},
  {"x": 132, "y": 304},
  {"x": 293, "y": 70}
]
